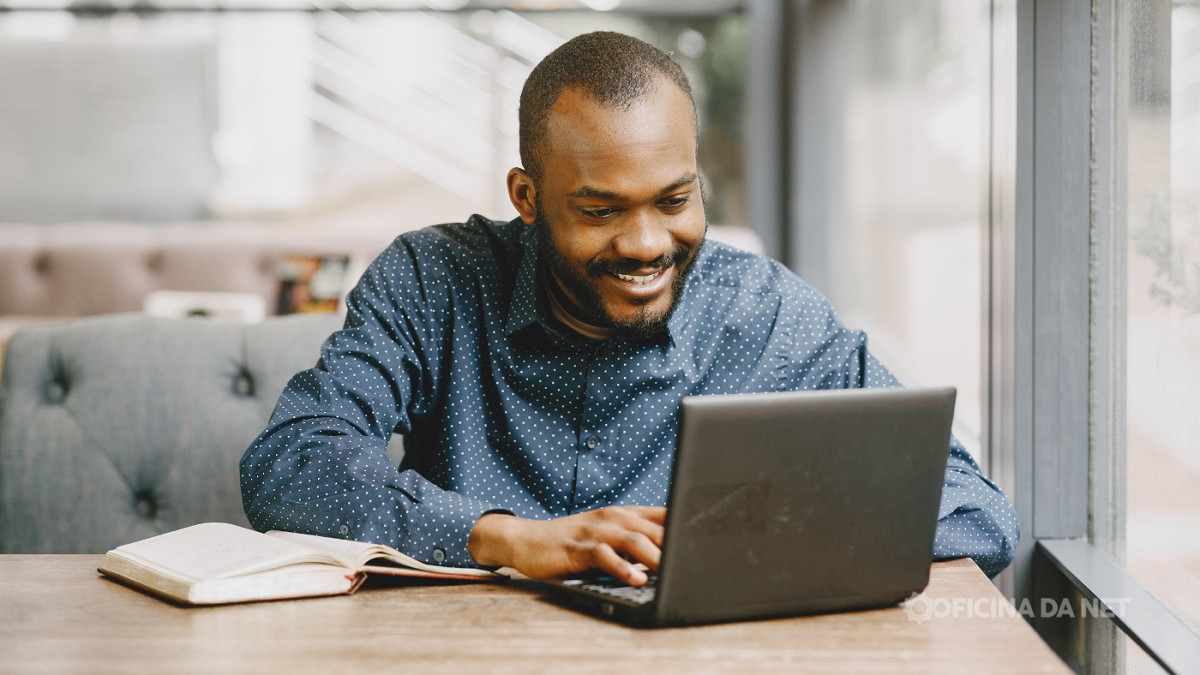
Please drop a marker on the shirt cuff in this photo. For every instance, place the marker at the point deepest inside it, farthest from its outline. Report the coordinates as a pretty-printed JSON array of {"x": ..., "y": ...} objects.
[{"x": 438, "y": 528}]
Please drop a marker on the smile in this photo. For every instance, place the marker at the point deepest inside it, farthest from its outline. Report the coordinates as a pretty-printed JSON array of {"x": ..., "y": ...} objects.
[
  {"x": 640, "y": 288},
  {"x": 639, "y": 280}
]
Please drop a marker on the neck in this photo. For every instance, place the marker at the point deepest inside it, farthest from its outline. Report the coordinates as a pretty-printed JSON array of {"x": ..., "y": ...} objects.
[{"x": 554, "y": 297}]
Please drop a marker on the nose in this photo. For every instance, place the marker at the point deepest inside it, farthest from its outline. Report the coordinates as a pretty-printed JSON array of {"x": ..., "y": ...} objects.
[{"x": 644, "y": 237}]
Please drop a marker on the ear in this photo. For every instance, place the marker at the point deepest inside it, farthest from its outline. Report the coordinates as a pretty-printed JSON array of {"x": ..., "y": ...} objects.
[{"x": 522, "y": 194}]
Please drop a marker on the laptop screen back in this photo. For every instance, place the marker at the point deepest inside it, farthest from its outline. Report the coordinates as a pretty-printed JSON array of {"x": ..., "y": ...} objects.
[{"x": 802, "y": 502}]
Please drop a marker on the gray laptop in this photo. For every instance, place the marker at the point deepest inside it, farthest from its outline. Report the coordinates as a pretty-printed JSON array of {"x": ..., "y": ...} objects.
[{"x": 791, "y": 503}]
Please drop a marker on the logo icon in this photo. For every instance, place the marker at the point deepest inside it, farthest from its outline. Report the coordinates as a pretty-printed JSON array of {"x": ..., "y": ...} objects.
[{"x": 918, "y": 607}]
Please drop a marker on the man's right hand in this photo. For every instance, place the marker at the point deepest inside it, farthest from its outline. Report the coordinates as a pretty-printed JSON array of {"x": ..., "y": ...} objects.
[{"x": 610, "y": 539}]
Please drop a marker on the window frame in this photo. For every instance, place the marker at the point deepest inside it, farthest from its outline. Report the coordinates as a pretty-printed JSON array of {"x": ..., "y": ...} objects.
[{"x": 1059, "y": 425}]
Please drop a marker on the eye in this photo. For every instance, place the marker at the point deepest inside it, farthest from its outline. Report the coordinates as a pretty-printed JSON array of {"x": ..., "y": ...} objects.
[
  {"x": 600, "y": 213},
  {"x": 675, "y": 202}
]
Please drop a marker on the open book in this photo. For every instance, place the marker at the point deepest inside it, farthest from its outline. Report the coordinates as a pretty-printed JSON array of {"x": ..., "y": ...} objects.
[{"x": 214, "y": 563}]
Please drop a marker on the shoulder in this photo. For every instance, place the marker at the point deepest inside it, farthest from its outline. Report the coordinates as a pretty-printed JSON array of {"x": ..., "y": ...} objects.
[
  {"x": 477, "y": 240},
  {"x": 428, "y": 266},
  {"x": 466, "y": 252}
]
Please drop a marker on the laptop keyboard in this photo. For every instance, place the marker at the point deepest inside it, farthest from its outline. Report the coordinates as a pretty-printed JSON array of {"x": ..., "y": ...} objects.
[{"x": 608, "y": 586}]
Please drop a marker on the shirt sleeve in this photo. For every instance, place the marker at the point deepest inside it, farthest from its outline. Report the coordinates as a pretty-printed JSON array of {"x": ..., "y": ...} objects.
[
  {"x": 321, "y": 466},
  {"x": 975, "y": 519}
]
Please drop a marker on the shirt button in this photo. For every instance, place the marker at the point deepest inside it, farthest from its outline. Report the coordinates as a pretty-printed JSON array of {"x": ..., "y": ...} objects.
[
  {"x": 344, "y": 530},
  {"x": 439, "y": 556},
  {"x": 592, "y": 442}
]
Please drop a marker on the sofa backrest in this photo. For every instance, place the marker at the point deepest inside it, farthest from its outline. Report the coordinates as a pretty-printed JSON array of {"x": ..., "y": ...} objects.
[
  {"x": 99, "y": 268},
  {"x": 117, "y": 428}
]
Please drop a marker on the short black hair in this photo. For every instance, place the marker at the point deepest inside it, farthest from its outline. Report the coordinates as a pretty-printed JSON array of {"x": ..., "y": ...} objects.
[{"x": 615, "y": 69}]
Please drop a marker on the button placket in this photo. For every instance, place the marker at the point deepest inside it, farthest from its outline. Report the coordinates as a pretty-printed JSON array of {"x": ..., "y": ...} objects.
[
  {"x": 597, "y": 433},
  {"x": 595, "y": 400}
]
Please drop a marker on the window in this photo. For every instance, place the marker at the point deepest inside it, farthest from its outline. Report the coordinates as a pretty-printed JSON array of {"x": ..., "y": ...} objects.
[
  {"x": 1108, "y": 93},
  {"x": 1162, "y": 388}
]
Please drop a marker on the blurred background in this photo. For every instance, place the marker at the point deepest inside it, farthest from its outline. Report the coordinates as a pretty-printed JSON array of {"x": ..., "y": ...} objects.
[
  {"x": 365, "y": 121},
  {"x": 238, "y": 146}
]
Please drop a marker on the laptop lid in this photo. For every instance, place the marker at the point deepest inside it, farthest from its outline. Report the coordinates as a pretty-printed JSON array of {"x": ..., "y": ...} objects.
[{"x": 802, "y": 502}]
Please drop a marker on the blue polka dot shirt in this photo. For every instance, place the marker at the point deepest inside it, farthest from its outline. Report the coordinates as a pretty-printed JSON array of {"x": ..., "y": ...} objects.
[{"x": 449, "y": 341}]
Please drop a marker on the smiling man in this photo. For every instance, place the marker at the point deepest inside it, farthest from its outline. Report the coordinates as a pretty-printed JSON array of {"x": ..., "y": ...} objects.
[{"x": 535, "y": 367}]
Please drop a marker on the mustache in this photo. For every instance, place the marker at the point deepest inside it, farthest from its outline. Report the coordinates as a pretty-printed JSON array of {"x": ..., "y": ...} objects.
[{"x": 631, "y": 265}]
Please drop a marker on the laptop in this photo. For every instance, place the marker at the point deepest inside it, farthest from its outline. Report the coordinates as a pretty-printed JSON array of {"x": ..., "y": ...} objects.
[{"x": 790, "y": 503}]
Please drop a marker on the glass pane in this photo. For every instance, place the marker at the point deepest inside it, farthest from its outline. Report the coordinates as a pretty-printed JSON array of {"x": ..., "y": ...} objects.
[
  {"x": 366, "y": 123},
  {"x": 1163, "y": 304},
  {"x": 907, "y": 227},
  {"x": 1138, "y": 662}
]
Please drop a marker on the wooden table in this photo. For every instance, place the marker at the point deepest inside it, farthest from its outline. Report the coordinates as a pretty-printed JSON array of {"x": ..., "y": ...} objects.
[{"x": 57, "y": 614}]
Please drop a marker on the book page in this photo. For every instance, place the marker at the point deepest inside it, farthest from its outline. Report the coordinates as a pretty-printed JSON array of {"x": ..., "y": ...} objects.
[
  {"x": 357, "y": 554},
  {"x": 217, "y": 551}
]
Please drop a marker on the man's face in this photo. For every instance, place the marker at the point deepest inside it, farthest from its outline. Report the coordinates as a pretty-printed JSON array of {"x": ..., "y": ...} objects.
[{"x": 619, "y": 207}]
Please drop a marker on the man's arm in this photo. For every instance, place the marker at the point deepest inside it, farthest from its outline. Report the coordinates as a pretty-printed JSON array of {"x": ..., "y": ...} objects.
[
  {"x": 321, "y": 466},
  {"x": 975, "y": 519}
]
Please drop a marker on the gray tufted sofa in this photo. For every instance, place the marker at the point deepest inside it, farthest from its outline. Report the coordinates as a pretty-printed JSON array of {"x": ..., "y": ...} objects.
[{"x": 116, "y": 428}]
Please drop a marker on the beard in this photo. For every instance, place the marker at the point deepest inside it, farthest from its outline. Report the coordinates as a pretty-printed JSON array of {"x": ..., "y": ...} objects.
[{"x": 590, "y": 307}]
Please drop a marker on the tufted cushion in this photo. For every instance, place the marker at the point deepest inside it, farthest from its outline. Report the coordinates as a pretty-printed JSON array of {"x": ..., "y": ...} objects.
[{"x": 120, "y": 427}]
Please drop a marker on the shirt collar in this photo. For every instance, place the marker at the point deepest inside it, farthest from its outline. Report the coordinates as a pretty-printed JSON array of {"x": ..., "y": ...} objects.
[
  {"x": 679, "y": 319},
  {"x": 528, "y": 303}
]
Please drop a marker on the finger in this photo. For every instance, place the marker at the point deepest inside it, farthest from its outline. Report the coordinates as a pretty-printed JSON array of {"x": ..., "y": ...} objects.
[
  {"x": 655, "y": 533},
  {"x": 655, "y": 514},
  {"x": 606, "y": 559},
  {"x": 634, "y": 519},
  {"x": 640, "y": 548}
]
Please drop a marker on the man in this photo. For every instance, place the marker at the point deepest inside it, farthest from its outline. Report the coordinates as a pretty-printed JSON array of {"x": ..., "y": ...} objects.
[{"x": 535, "y": 367}]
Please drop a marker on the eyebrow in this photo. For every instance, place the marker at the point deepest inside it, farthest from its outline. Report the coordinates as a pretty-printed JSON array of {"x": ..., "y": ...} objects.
[{"x": 588, "y": 191}]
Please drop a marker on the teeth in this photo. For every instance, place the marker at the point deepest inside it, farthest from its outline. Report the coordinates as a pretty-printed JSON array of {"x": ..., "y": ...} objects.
[{"x": 639, "y": 280}]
